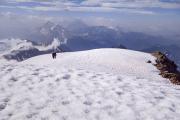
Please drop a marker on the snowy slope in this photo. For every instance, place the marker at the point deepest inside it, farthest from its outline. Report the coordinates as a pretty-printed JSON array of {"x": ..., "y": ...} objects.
[{"x": 100, "y": 84}]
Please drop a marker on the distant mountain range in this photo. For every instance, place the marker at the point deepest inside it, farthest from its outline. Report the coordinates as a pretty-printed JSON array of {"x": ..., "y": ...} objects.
[{"x": 78, "y": 36}]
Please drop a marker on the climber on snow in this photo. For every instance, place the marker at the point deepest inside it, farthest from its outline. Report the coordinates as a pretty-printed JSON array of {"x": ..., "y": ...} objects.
[{"x": 54, "y": 55}]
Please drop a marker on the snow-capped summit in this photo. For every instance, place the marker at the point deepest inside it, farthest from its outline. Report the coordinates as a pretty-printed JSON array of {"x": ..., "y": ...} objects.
[{"x": 99, "y": 84}]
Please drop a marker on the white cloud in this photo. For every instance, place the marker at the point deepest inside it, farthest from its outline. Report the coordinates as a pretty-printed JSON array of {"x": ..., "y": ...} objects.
[
  {"x": 131, "y": 3},
  {"x": 130, "y": 6}
]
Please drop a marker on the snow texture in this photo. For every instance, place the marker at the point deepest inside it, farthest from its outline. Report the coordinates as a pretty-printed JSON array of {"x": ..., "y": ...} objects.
[{"x": 101, "y": 84}]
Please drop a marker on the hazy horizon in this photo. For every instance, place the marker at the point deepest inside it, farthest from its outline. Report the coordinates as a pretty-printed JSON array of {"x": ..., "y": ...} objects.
[{"x": 157, "y": 17}]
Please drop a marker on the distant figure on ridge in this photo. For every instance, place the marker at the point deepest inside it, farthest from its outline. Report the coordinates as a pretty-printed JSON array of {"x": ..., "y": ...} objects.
[{"x": 54, "y": 55}]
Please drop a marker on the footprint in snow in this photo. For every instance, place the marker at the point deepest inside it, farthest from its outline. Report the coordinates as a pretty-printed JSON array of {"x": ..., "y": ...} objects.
[
  {"x": 13, "y": 79},
  {"x": 119, "y": 79},
  {"x": 80, "y": 74},
  {"x": 73, "y": 93},
  {"x": 35, "y": 74},
  {"x": 65, "y": 102},
  {"x": 3, "y": 106},
  {"x": 57, "y": 80},
  {"x": 54, "y": 111},
  {"x": 119, "y": 93},
  {"x": 38, "y": 69},
  {"x": 9, "y": 69},
  {"x": 87, "y": 103},
  {"x": 6, "y": 100},
  {"x": 41, "y": 80},
  {"x": 98, "y": 74},
  {"x": 66, "y": 77},
  {"x": 172, "y": 109},
  {"x": 29, "y": 116},
  {"x": 86, "y": 111},
  {"x": 94, "y": 76},
  {"x": 159, "y": 97},
  {"x": 10, "y": 114}
]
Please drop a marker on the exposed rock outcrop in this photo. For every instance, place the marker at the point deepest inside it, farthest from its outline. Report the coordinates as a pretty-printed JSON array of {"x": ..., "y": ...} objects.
[{"x": 167, "y": 68}]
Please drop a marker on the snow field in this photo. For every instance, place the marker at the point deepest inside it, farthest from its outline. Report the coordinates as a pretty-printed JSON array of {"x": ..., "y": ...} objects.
[{"x": 104, "y": 84}]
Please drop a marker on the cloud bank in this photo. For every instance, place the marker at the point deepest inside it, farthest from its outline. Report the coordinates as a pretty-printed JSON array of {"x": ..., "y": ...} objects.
[{"x": 134, "y": 6}]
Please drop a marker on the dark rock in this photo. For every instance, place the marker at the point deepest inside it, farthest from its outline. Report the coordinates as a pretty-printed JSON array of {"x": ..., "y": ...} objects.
[
  {"x": 167, "y": 68},
  {"x": 148, "y": 61}
]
